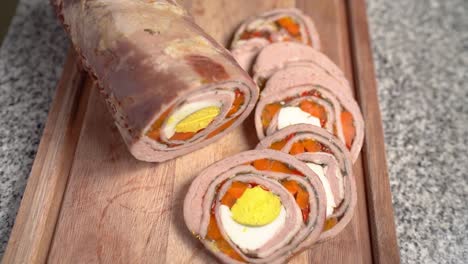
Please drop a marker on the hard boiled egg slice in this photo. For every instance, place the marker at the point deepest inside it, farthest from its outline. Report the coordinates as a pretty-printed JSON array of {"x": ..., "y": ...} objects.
[
  {"x": 292, "y": 115},
  {"x": 320, "y": 171},
  {"x": 192, "y": 117},
  {"x": 249, "y": 238},
  {"x": 254, "y": 219}
]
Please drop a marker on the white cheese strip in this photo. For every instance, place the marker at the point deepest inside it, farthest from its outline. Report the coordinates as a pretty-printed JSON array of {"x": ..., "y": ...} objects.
[
  {"x": 320, "y": 171},
  {"x": 292, "y": 115},
  {"x": 250, "y": 238}
]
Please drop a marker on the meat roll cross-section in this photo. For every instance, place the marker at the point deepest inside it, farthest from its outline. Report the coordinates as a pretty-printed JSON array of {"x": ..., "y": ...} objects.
[
  {"x": 259, "y": 206},
  {"x": 281, "y": 55},
  {"x": 317, "y": 104},
  {"x": 170, "y": 87},
  {"x": 280, "y": 25},
  {"x": 331, "y": 161}
]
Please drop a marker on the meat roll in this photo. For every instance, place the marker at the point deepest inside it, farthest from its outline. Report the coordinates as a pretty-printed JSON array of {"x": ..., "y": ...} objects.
[
  {"x": 260, "y": 206},
  {"x": 331, "y": 161},
  {"x": 170, "y": 87},
  {"x": 297, "y": 74},
  {"x": 278, "y": 25},
  {"x": 316, "y": 104},
  {"x": 281, "y": 55}
]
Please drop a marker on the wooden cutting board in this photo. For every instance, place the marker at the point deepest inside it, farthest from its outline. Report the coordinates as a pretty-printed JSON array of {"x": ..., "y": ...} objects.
[{"x": 89, "y": 201}]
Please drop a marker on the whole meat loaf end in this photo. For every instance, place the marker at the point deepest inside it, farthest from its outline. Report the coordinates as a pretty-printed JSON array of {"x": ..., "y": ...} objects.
[{"x": 170, "y": 87}]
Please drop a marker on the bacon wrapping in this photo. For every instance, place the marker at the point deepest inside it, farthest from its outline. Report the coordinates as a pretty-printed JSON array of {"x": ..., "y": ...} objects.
[
  {"x": 319, "y": 103},
  {"x": 311, "y": 64},
  {"x": 227, "y": 186},
  {"x": 279, "y": 25},
  {"x": 330, "y": 159},
  {"x": 170, "y": 87}
]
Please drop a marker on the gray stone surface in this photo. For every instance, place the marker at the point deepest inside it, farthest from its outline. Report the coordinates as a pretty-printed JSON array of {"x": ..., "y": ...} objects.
[{"x": 421, "y": 57}]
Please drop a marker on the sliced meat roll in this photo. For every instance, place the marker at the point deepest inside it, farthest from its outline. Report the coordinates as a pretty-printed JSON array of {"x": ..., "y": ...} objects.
[
  {"x": 169, "y": 86},
  {"x": 297, "y": 74},
  {"x": 331, "y": 161},
  {"x": 260, "y": 206},
  {"x": 281, "y": 55},
  {"x": 316, "y": 104},
  {"x": 280, "y": 25}
]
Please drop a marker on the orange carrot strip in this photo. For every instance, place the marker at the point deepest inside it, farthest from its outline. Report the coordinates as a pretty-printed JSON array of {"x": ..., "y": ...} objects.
[
  {"x": 224, "y": 246},
  {"x": 289, "y": 24},
  {"x": 329, "y": 223},
  {"x": 312, "y": 145},
  {"x": 291, "y": 186},
  {"x": 213, "y": 230},
  {"x": 269, "y": 112},
  {"x": 349, "y": 130},
  {"x": 280, "y": 167},
  {"x": 262, "y": 164},
  {"x": 237, "y": 189},
  {"x": 278, "y": 145},
  {"x": 229, "y": 200},
  {"x": 314, "y": 109},
  {"x": 182, "y": 135},
  {"x": 273, "y": 165},
  {"x": 302, "y": 198},
  {"x": 221, "y": 128},
  {"x": 154, "y": 131},
  {"x": 238, "y": 101},
  {"x": 297, "y": 148}
]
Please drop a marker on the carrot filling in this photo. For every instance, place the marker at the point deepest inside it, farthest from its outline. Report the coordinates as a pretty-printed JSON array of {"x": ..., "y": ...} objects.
[
  {"x": 314, "y": 109},
  {"x": 238, "y": 102},
  {"x": 234, "y": 192},
  {"x": 290, "y": 25},
  {"x": 275, "y": 166},
  {"x": 229, "y": 199},
  {"x": 349, "y": 130},
  {"x": 286, "y": 23},
  {"x": 155, "y": 131},
  {"x": 301, "y": 196},
  {"x": 330, "y": 223},
  {"x": 301, "y": 146},
  {"x": 269, "y": 112},
  {"x": 214, "y": 234}
]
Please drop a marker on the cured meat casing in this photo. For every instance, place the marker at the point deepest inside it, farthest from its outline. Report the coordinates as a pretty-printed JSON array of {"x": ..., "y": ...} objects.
[
  {"x": 278, "y": 25},
  {"x": 335, "y": 111},
  {"x": 155, "y": 67},
  {"x": 281, "y": 55},
  {"x": 312, "y": 144},
  {"x": 208, "y": 192}
]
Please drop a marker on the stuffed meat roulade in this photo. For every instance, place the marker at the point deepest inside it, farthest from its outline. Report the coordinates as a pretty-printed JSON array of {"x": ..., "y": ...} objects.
[
  {"x": 280, "y": 25},
  {"x": 317, "y": 104},
  {"x": 260, "y": 206},
  {"x": 331, "y": 161},
  {"x": 169, "y": 86},
  {"x": 298, "y": 74},
  {"x": 281, "y": 55}
]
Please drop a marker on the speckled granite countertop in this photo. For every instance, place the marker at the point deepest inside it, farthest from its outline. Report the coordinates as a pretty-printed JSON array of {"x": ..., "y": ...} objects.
[{"x": 421, "y": 58}]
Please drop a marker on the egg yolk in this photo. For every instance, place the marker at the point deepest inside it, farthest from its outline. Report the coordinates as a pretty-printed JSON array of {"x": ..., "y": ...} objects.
[
  {"x": 198, "y": 120},
  {"x": 256, "y": 207}
]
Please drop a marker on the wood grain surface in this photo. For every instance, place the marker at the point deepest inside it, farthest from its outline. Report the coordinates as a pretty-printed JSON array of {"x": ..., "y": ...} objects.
[{"x": 89, "y": 201}]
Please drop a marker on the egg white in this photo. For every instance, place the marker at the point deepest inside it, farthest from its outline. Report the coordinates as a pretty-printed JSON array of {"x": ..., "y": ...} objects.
[
  {"x": 320, "y": 171},
  {"x": 293, "y": 115},
  {"x": 183, "y": 112},
  {"x": 249, "y": 238}
]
